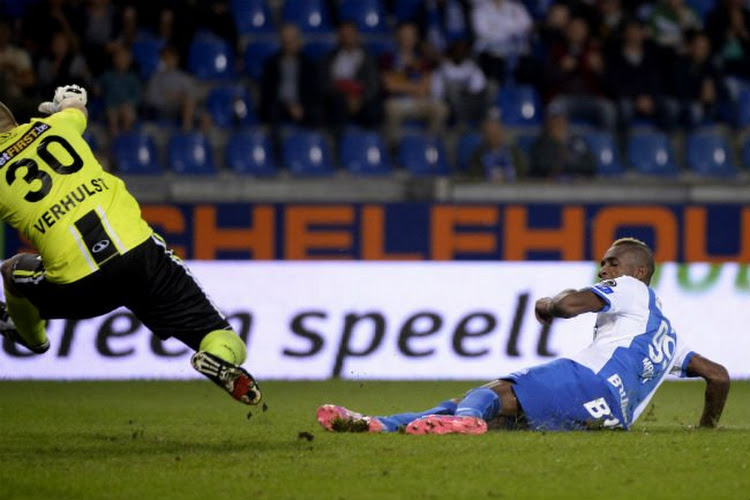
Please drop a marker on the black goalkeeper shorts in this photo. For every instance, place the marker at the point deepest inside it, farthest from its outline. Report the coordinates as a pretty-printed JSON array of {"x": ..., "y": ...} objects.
[{"x": 149, "y": 280}]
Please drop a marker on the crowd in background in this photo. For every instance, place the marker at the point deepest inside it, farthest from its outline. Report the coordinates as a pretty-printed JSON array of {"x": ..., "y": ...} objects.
[{"x": 439, "y": 65}]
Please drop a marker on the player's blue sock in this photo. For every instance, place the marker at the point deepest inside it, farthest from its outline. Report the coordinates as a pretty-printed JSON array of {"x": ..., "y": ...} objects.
[
  {"x": 393, "y": 423},
  {"x": 482, "y": 402}
]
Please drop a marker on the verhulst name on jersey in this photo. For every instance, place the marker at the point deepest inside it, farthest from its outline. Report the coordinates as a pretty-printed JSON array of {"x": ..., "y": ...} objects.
[{"x": 68, "y": 202}]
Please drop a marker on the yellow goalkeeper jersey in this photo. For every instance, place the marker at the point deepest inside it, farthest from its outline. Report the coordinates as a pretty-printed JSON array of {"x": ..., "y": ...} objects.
[{"x": 55, "y": 192}]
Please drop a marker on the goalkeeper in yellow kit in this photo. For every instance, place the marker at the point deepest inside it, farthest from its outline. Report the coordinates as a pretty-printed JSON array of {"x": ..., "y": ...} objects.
[{"x": 96, "y": 253}]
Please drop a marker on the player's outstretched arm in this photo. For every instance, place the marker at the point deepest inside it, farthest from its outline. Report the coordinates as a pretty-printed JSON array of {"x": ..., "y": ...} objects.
[
  {"x": 567, "y": 304},
  {"x": 717, "y": 387},
  {"x": 66, "y": 96}
]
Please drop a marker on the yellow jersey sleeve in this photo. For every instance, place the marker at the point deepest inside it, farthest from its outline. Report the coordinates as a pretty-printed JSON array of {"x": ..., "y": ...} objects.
[{"x": 55, "y": 192}]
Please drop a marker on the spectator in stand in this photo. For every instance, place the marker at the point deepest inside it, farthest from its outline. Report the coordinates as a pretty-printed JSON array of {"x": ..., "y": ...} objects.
[
  {"x": 502, "y": 29},
  {"x": 635, "y": 79},
  {"x": 176, "y": 29},
  {"x": 216, "y": 17},
  {"x": 17, "y": 76},
  {"x": 351, "y": 82},
  {"x": 698, "y": 82},
  {"x": 43, "y": 19},
  {"x": 407, "y": 79},
  {"x": 728, "y": 27},
  {"x": 610, "y": 22},
  {"x": 99, "y": 34},
  {"x": 128, "y": 26},
  {"x": 121, "y": 91},
  {"x": 669, "y": 21},
  {"x": 557, "y": 153},
  {"x": 461, "y": 83},
  {"x": 171, "y": 93},
  {"x": 441, "y": 22},
  {"x": 573, "y": 77},
  {"x": 288, "y": 90},
  {"x": 496, "y": 159},
  {"x": 552, "y": 31},
  {"x": 62, "y": 65}
]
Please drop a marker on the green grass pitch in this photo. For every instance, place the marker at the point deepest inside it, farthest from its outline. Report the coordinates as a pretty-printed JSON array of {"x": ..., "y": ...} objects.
[{"x": 187, "y": 440}]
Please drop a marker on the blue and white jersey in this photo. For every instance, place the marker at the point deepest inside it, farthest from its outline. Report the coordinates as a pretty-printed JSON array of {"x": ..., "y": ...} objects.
[{"x": 634, "y": 345}]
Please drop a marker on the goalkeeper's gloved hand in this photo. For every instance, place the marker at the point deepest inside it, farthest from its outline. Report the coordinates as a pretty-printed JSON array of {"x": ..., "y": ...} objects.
[{"x": 63, "y": 93}]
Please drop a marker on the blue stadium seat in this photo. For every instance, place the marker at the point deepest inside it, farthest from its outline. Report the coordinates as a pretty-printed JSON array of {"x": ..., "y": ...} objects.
[
  {"x": 380, "y": 46},
  {"x": 90, "y": 139},
  {"x": 742, "y": 108},
  {"x": 368, "y": 15},
  {"x": 252, "y": 17},
  {"x": 316, "y": 50},
  {"x": 256, "y": 54},
  {"x": 604, "y": 149},
  {"x": 250, "y": 152},
  {"x": 524, "y": 142},
  {"x": 650, "y": 153},
  {"x": 210, "y": 58},
  {"x": 230, "y": 106},
  {"x": 310, "y": 15},
  {"x": 190, "y": 154},
  {"x": 146, "y": 53},
  {"x": 702, "y": 7},
  {"x": 423, "y": 155},
  {"x": 745, "y": 152},
  {"x": 364, "y": 153},
  {"x": 520, "y": 105},
  {"x": 709, "y": 154},
  {"x": 406, "y": 10},
  {"x": 135, "y": 153},
  {"x": 307, "y": 154},
  {"x": 467, "y": 145}
]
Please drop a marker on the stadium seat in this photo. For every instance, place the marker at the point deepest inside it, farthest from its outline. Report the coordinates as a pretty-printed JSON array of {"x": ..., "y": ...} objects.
[
  {"x": 702, "y": 7},
  {"x": 190, "y": 154},
  {"x": 146, "y": 53},
  {"x": 368, "y": 15},
  {"x": 406, "y": 10},
  {"x": 311, "y": 16},
  {"x": 742, "y": 108},
  {"x": 467, "y": 145},
  {"x": 307, "y": 154},
  {"x": 230, "y": 106},
  {"x": 316, "y": 50},
  {"x": 210, "y": 58},
  {"x": 604, "y": 149},
  {"x": 423, "y": 155},
  {"x": 135, "y": 153},
  {"x": 709, "y": 154},
  {"x": 364, "y": 153},
  {"x": 252, "y": 17},
  {"x": 256, "y": 54},
  {"x": 650, "y": 153},
  {"x": 525, "y": 141},
  {"x": 520, "y": 105},
  {"x": 250, "y": 152},
  {"x": 380, "y": 46},
  {"x": 746, "y": 154}
]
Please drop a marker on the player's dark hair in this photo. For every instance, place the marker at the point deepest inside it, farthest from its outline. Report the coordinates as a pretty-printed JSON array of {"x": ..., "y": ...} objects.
[{"x": 644, "y": 251}]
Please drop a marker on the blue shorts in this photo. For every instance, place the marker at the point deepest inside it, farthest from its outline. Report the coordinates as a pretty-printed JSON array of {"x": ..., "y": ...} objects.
[{"x": 564, "y": 395}]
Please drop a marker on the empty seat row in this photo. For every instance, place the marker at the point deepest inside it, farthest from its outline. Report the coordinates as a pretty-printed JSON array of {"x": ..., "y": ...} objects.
[
  {"x": 312, "y": 16},
  {"x": 363, "y": 153},
  {"x": 303, "y": 153}
]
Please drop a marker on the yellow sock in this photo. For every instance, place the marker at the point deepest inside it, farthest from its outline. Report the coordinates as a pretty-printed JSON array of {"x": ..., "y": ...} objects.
[
  {"x": 226, "y": 345},
  {"x": 31, "y": 327}
]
